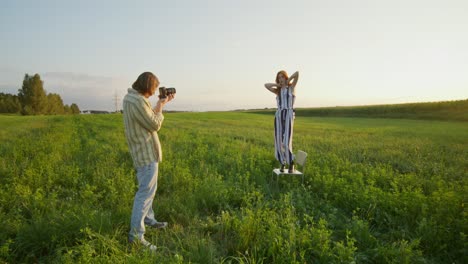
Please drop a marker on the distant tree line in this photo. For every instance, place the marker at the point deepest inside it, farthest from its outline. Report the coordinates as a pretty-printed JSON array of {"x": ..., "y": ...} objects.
[
  {"x": 32, "y": 99},
  {"x": 443, "y": 110}
]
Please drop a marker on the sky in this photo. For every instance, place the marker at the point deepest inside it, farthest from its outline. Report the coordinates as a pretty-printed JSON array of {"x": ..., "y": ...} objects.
[{"x": 219, "y": 54}]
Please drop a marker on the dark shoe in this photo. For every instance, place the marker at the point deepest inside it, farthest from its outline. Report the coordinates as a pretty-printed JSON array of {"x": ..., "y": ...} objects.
[
  {"x": 282, "y": 168},
  {"x": 158, "y": 225},
  {"x": 291, "y": 168}
]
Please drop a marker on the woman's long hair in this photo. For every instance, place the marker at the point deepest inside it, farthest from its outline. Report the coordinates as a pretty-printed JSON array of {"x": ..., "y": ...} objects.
[
  {"x": 145, "y": 82},
  {"x": 285, "y": 74}
]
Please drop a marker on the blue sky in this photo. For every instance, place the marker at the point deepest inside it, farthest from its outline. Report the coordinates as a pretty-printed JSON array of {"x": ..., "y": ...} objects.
[{"x": 218, "y": 54}]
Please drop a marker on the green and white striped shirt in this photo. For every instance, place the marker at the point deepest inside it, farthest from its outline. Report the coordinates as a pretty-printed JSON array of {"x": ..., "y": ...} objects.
[{"x": 141, "y": 126}]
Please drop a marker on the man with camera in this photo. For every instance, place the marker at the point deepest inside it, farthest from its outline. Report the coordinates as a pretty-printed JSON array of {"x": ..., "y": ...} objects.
[{"x": 141, "y": 126}]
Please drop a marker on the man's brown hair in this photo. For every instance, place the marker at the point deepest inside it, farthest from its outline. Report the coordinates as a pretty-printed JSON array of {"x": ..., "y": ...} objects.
[{"x": 146, "y": 82}]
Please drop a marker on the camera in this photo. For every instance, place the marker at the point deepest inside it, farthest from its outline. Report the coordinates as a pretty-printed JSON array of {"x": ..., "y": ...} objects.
[{"x": 164, "y": 92}]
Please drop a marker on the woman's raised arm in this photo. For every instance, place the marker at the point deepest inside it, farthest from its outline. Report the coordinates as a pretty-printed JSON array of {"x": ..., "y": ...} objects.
[
  {"x": 293, "y": 79},
  {"x": 272, "y": 87}
]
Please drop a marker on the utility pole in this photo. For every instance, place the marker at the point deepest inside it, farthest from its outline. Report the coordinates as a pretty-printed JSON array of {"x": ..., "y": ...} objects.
[{"x": 116, "y": 101}]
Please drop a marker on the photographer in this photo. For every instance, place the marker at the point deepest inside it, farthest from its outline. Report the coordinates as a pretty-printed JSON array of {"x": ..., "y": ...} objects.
[{"x": 141, "y": 126}]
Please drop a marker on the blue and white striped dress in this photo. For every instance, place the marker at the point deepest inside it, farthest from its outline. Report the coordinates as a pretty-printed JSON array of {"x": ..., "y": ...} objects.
[{"x": 284, "y": 121}]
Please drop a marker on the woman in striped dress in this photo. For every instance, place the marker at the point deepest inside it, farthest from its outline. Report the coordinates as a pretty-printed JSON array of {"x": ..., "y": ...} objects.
[{"x": 284, "y": 88}]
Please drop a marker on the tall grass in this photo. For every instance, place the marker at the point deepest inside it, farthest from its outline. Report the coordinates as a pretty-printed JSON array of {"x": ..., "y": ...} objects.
[{"x": 375, "y": 191}]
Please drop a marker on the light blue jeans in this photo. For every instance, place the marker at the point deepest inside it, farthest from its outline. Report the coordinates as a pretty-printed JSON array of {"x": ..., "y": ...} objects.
[{"x": 142, "y": 212}]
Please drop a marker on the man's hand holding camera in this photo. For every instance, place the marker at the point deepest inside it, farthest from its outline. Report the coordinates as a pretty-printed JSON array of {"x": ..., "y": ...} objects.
[
  {"x": 165, "y": 95},
  {"x": 166, "y": 99},
  {"x": 164, "y": 92}
]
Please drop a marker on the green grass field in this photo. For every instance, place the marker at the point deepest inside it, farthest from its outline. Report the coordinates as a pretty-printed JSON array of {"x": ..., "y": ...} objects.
[{"x": 375, "y": 191}]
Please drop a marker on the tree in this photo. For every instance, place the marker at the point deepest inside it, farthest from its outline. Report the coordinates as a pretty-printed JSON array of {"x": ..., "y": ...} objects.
[
  {"x": 55, "y": 104},
  {"x": 34, "y": 100},
  {"x": 33, "y": 96},
  {"x": 9, "y": 103},
  {"x": 74, "y": 109},
  {"x": 67, "y": 109}
]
